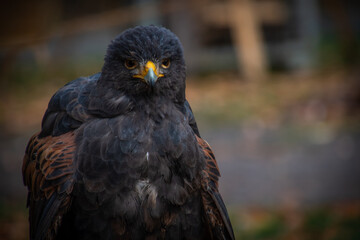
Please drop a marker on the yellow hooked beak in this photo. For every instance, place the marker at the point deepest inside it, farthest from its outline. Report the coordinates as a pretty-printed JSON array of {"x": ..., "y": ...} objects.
[{"x": 149, "y": 73}]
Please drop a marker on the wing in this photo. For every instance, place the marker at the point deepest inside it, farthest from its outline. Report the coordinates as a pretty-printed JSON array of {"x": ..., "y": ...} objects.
[
  {"x": 48, "y": 165},
  {"x": 214, "y": 207},
  {"x": 48, "y": 172}
]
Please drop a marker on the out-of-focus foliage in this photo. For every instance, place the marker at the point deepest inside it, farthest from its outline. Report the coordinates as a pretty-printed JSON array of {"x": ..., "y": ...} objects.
[{"x": 322, "y": 223}]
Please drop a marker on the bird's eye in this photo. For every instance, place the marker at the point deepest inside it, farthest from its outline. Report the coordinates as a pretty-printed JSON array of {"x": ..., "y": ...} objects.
[
  {"x": 130, "y": 64},
  {"x": 165, "y": 63}
]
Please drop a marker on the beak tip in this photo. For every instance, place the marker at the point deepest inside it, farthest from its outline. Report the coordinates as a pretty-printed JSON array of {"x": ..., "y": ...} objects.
[{"x": 151, "y": 77}]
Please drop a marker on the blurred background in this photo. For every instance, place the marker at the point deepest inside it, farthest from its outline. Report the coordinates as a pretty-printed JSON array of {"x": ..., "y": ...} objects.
[{"x": 274, "y": 85}]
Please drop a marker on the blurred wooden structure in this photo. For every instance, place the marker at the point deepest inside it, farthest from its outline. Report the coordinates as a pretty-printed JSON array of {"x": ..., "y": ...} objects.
[
  {"x": 242, "y": 18},
  {"x": 247, "y": 38}
]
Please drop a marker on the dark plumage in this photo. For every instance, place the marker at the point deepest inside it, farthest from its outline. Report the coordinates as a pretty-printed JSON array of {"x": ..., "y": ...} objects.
[{"x": 119, "y": 155}]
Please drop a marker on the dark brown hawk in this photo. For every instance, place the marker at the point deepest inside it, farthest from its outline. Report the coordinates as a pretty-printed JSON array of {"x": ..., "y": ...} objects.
[{"x": 119, "y": 155}]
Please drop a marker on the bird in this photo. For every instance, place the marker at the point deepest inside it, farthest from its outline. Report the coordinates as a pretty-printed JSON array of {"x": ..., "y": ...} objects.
[{"x": 119, "y": 154}]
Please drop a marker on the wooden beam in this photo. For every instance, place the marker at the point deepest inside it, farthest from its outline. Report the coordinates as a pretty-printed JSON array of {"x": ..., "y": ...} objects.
[
  {"x": 269, "y": 12},
  {"x": 247, "y": 39}
]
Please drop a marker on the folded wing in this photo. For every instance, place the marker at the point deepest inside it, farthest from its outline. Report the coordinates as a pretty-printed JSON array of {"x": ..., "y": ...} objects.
[
  {"x": 214, "y": 207},
  {"x": 48, "y": 172}
]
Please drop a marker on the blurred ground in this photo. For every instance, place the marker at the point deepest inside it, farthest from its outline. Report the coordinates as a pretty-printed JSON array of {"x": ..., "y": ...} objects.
[{"x": 288, "y": 151}]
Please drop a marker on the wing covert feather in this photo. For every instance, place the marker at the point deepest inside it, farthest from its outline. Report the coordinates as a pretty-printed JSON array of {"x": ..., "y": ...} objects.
[
  {"x": 48, "y": 172},
  {"x": 214, "y": 207}
]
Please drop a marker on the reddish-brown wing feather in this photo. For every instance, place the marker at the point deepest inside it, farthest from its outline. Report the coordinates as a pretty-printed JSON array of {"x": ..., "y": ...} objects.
[
  {"x": 48, "y": 172},
  {"x": 214, "y": 207},
  {"x": 211, "y": 164}
]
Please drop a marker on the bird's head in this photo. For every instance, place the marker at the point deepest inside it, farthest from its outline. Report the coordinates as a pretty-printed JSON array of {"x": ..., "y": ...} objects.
[{"x": 145, "y": 60}]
